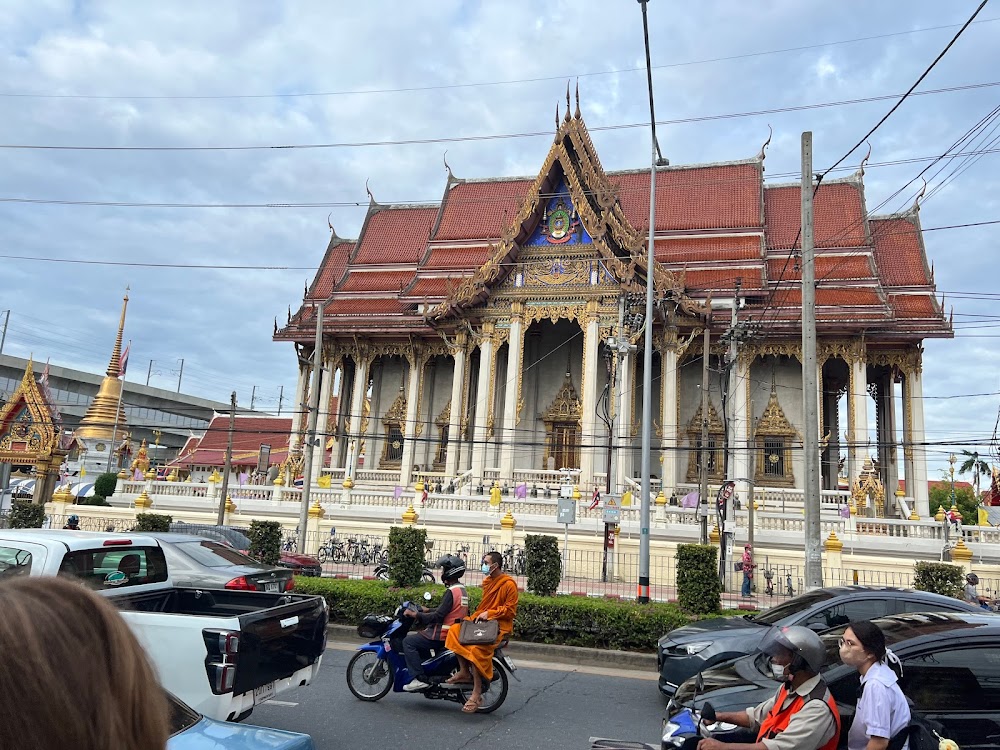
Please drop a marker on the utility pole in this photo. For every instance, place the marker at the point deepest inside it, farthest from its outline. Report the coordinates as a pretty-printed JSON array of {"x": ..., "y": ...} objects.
[
  {"x": 281, "y": 397},
  {"x": 3, "y": 336},
  {"x": 229, "y": 460},
  {"x": 179, "y": 376},
  {"x": 149, "y": 371},
  {"x": 702, "y": 451},
  {"x": 311, "y": 416},
  {"x": 810, "y": 405},
  {"x": 752, "y": 468}
]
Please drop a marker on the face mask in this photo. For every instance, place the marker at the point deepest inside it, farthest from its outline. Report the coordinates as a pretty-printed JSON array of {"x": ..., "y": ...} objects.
[
  {"x": 485, "y": 569},
  {"x": 778, "y": 671}
]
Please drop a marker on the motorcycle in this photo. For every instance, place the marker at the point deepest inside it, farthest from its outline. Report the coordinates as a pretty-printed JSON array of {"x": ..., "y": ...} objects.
[
  {"x": 686, "y": 728},
  {"x": 378, "y": 667},
  {"x": 382, "y": 573}
]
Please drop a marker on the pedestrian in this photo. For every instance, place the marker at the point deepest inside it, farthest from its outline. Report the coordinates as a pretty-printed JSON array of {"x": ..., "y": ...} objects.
[
  {"x": 882, "y": 711},
  {"x": 748, "y": 566},
  {"x": 72, "y": 674}
]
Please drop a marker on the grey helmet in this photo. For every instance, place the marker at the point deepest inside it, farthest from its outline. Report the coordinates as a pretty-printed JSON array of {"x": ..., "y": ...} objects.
[
  {"x": 452, "y": 567},
  {"x": 972, "y": 579},
  {"x": 808, "y": 651}
]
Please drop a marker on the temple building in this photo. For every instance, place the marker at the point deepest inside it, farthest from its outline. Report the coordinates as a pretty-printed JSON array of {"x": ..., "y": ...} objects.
[{"x": 475, "y": 339}]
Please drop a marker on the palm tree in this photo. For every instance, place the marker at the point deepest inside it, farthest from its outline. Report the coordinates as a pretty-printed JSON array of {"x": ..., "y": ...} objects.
[{"x": 977, "y": 466}]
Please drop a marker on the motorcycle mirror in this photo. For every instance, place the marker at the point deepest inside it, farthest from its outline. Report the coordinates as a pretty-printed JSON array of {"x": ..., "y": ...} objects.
[
  {"x": 427, "y": 596},
  {"x": 699, "y": 683},
  {"x": 708, "y": 713}
]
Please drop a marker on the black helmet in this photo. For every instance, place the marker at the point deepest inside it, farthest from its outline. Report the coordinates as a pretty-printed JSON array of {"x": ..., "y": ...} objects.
[
  {"x": 806, "y": 648},
  {"x": 972, "y": 579},
  {"x": 452, "y": 567},
  {"x": 74, "y": 518}
]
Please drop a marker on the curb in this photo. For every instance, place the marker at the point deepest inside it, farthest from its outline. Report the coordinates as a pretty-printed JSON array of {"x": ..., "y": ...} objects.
[{"x": 590, "y": 657}]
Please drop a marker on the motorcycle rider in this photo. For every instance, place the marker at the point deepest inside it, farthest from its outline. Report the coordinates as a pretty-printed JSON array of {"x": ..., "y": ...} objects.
[
  {"x": 73, "y": 522},
  {"x": 802, "y": 715},
  {"x": 454, "y": 608}
]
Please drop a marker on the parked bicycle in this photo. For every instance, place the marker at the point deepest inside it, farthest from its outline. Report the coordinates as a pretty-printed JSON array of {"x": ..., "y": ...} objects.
[{"x": 513, "y": 560}]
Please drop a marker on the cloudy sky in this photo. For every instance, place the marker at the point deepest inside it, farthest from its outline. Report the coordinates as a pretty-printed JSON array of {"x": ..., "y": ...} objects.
[{"x": 260, "y": 73}]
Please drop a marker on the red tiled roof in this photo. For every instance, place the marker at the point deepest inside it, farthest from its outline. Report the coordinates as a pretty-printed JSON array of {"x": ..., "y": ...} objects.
[
  {"x": 827, "y": 267},
  {"x": 332, "y": 270},
  {"x": 481, "y": 210},
  {"x": 707, "y": 249},
  {"x": 364, "y": 306},
  {"x": 837, "y": 210},
  {"x": 430, "y": 287},
  {"x": 249, "y": 434},
  {"x": 464, "y": 258},
  {"x": 724, "y": 196},
  {"x": 724, "y": 278},
  {"x": 913, "y": 306},
  {"x": 861, "y": 296},
  {"x": 395, "y": 235},
  {"x": 375, "y": 281},
  {"x": 898, "y": 253}
]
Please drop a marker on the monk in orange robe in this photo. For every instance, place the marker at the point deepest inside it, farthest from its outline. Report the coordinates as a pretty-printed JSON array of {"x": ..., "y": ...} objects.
[{"x": 499, "y": 603}]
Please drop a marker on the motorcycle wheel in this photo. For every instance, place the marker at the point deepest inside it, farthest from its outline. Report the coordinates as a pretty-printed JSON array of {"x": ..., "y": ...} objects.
[
  {"x": 427, "y": 577},
  {"x": 494, "y": 697},
  {"x": 368, "y": 676},
  {"x": 382, "y": 572}
]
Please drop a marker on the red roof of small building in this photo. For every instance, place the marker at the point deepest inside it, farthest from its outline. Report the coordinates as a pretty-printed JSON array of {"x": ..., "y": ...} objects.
[
  {"x": 479, "y": 210},
  {"x": 249, "y": 434},
  {"x": 838, "y": 211}
]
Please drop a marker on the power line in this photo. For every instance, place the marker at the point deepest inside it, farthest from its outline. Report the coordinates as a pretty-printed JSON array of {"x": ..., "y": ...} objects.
[
  {"x": 505, "y": 82},
  {"x": 495, "y": 136}
]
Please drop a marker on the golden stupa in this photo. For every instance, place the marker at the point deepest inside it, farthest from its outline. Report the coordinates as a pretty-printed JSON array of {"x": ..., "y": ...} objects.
[{"x": 99, "y": 422}]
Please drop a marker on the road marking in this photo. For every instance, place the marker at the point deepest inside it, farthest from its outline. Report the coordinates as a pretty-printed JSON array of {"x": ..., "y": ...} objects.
[
  {"x": 281, "y": 703},
  {"x": 552, "y": 666}
]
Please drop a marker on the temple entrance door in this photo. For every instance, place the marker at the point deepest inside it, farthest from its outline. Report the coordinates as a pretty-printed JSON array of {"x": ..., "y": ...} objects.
[{"x": 566, "y": 445}]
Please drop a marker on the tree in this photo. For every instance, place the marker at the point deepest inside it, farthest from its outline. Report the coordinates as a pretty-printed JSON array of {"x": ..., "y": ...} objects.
[
  {"x": 940, "y": 495},
  {"x": 977, "y": 466}
]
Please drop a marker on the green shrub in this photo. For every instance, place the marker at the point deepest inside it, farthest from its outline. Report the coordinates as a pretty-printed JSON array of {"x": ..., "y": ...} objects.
[
  {"x": 105, "y": 485},
  {"x": 939, "y": 578},
  {"x": 543, "y": 563},
  {"x": 265, "y": 541},
  {"x": 406, "y": 555},
  {"x": 565, "y": 620},
  {"x": 25, "y": 514},
  {"x": 93, "y": 500},
  {"x": 698, "y": 585},
  {"x": 152, "y": 522}
]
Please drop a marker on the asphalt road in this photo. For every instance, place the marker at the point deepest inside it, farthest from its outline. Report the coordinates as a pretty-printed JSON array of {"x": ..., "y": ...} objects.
[{"x": 557, "y": 707}]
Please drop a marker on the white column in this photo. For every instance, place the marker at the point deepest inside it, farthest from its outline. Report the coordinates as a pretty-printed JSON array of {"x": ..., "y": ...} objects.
[
  {"x": 908, "y": 472},
  {"x": 508, "y": 435},
  {"x": 738, "y": 379},
  {"x": 457, "y": 399},
  {"x": 361, "y": 366},
  {"x": 483, "y": 393},
  {"x": 414, "y": 383},
  {"x": 668, "y": 413},
  {"x": 858, "y": 404},
  {"x": 333, "y": 422},
  {"x": 322, "y": 420},
  {"x": 918, "y": 491},
  {"x": 588, "y": 432},
  {"x": 298, "y": 407},
  {"x": 623, "y": 420}
]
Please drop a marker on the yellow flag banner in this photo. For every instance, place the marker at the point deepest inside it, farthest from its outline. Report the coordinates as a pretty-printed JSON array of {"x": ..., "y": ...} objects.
[{"x": 983, "y": 517}]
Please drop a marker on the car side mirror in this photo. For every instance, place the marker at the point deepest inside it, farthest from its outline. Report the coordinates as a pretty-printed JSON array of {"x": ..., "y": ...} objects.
[{"x": 817, "y": 626}]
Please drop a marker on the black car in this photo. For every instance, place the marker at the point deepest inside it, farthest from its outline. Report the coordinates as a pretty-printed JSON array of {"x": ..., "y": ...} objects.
[
  {"x": 684, "y": 652},
  {"x": 951, "y": 672},
  {"x": 300, "y": 565}
]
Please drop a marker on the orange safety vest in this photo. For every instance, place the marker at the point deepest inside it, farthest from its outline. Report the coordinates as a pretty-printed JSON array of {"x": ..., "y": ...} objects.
[
  {"x": 458, "y": 612},
  {"x": 777, "y": 718}
]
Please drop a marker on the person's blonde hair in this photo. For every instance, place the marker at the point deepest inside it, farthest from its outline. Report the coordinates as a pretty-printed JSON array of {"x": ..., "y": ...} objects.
[{"x": 72, "y": 674}]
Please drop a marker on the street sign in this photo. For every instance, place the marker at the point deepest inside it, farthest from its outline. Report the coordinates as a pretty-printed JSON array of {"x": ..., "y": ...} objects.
[
  {"x": 612, "y": 513},
  {"x": 567, "y": 511},
  {"x": 566, "y": 490}
]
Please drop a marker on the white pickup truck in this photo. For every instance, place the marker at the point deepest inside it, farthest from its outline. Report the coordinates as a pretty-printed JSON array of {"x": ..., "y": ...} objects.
[{"x": 222, "y": 652}]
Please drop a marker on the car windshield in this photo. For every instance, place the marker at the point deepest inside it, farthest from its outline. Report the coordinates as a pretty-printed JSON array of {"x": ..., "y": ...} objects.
[
  {"x": 214, "y": 555},
  {"x": 792, "y": 607},
  {"x": 181, "y": 716}
]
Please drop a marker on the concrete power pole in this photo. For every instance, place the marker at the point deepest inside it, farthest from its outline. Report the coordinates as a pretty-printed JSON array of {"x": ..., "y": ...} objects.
[
  {"x": 311, "y": 417},
  {"x": 810, "y": 400},
  {"x": 229, "y": 460},
  {"x": 703, "y": 452}
]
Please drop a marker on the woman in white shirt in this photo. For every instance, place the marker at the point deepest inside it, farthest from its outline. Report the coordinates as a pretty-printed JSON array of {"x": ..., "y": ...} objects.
[{"x": 882, "y": 710}]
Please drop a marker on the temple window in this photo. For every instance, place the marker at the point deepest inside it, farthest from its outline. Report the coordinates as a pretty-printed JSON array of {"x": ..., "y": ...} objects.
[
  {"x": 562, "y": 428},
  {"x": 442, "y": 427},
  {"x": 773, "y": 439},
  {"x": 713, "y": 448},
  {"x": 392, "y": 423}
]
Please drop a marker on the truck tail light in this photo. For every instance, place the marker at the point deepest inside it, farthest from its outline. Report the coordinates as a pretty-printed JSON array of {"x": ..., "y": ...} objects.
[
  {"x": 222, "y": 652},
  {"x": 222, "y": 677},
  {"x": 224, "y": 643},
  {"x": 290, "y": 584},
  {"x": 241, "y": 584}
]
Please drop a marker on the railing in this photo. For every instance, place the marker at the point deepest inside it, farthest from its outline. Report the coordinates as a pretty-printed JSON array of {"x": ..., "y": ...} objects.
[
  {"x": 376, "y": 475},
  {"x": 463, "y": 479}
]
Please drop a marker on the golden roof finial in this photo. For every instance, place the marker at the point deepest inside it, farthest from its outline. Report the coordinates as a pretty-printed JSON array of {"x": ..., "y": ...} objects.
[
  {"x": 114, "y": 366},
  {"x": 577, "y": 113},
  {"x": 567, "y": 102},
  {"x": 557, "y": 118}
]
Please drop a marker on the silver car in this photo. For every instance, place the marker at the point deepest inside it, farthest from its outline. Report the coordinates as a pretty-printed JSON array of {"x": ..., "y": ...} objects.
[{"x": 197, "y": 562}]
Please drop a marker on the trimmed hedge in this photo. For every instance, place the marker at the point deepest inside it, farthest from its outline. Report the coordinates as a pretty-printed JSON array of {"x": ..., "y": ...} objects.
[
  {"x": 265, "y": 541},
  {"x": 566, "y": 620},
  {"x": 698, "y": 585},
  {"x": 543, "y": 563},
  {"x": 24, "y": 514},
  {"x": 152, "y": 522},
  {"x": 105, "y": 485},
  {"x": 939, "y": 578},
  {"x": 406, "y": 555}
]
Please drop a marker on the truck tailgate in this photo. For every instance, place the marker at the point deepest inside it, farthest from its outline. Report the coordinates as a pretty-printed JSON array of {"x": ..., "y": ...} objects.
[{"x": 277, "y": 642}]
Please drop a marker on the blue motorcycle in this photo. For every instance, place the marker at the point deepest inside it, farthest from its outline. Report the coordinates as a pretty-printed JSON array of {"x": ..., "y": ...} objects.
[{"x": 379, "y": 667}]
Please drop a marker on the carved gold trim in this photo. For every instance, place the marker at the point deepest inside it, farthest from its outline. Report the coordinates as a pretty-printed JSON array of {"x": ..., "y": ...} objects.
[
  {"x": 715, "y": 430},
  {"x": 565, "y": 408},
  {"x": 37, "y": 435},
  {"x": 774, "y": 423}
]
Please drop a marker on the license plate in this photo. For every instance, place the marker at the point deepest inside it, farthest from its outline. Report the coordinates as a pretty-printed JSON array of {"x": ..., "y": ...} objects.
[
  {"x": 508, "y": 662},
  {"x": 263, "y": 693},
  {"x": 271, "y": 587}
]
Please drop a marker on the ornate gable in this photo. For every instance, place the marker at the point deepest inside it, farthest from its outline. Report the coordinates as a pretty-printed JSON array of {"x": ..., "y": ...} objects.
[{"x": 27, "y": 433}]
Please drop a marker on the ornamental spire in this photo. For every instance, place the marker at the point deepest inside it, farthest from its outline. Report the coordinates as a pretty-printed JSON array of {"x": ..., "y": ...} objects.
[{"x": 115, "y": 365}]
